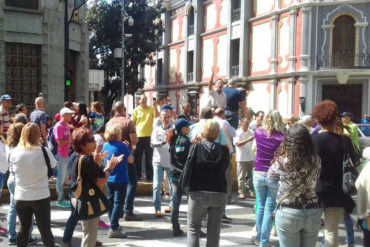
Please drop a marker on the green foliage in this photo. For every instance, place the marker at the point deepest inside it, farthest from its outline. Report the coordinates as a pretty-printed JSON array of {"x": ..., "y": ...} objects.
[{"x": 105, "y": 22}]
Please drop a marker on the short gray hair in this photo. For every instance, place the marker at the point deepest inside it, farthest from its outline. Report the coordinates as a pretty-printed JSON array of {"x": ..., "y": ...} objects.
[{"x": 20, "y": 118}]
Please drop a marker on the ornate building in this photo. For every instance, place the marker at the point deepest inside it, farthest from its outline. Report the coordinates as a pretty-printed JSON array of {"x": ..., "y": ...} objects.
[
  {"x": 288, "y": 54},
  {"x": 32, "y": 52}
]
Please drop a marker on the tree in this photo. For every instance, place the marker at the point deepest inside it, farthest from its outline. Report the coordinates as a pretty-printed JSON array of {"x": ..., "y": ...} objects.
[{"x": 105, "y": 23}]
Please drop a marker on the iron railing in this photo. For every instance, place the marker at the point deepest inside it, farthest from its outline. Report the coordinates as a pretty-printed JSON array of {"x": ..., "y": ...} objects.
[
  {"x": 343, "y": 62},
  {"x": 235, "y": 15},
  {"x": 235, "y": 71}
]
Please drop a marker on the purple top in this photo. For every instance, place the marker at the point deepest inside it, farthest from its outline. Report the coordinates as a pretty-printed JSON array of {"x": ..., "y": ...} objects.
[{"x": 266, "y": 147}]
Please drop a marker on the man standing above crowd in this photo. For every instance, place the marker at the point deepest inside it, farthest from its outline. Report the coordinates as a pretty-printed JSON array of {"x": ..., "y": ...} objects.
[
  {"x": 215, "y": 98},
  {"x": 6, "y": 103},
  {"x": 38, "y": 116},
  {"x": 62, "y": 135},
  {"x": 129, "y": 137},
  {"x": 234, "y": 99},
  {"x": 143, "y": 117},
  {"x": 186, "y": 110}
]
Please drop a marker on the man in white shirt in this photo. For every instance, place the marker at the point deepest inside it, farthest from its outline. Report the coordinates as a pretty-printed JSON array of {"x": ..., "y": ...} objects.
[
  {"x": 244, "y": 157},
  {"x": 215, "y": 97}
]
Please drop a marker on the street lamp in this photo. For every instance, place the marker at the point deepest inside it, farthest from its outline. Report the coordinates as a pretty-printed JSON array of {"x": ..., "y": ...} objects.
[{"x": 130, "y": 22}]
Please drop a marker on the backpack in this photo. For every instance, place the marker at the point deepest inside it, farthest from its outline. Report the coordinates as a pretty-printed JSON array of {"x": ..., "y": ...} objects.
[{"x": 52, "y": 143}]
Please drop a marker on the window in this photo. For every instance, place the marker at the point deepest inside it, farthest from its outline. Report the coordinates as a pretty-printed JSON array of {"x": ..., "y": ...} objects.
[
  {"x": 235, "y": 10},
  {"x": 190, "y": 66},
  {"x": 235, "y": 47},
  {"x": 344, "y": 33},
  {"x": 23, "y": 72},
  {"x": 159, "y": 71},
  {"x": 191, "y": 21},
  {"x": 24, "y": 4}
]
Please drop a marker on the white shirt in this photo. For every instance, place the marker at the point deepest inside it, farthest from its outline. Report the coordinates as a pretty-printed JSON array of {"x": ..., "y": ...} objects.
[
  {"x": 99, "y": 140},
  {"x": 3, "y": 159},
  {"x": 161, "y": 153},
  {"x": 243, "y": 153},
  {"x": 31, "y": 173},
  {"x": 229, "y": 131},
  {"x": 213, "y": 99}
]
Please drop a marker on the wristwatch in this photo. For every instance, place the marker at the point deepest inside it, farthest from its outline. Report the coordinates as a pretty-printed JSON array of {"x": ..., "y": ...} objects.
[{"x": 108, "y": 169}]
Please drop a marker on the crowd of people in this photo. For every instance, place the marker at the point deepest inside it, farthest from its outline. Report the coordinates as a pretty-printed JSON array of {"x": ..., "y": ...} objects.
[{"x": 292, "y": 167}]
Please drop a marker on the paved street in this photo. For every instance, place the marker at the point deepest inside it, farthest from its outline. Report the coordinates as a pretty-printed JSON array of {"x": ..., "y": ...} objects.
[{"x": 156, "y": 232}]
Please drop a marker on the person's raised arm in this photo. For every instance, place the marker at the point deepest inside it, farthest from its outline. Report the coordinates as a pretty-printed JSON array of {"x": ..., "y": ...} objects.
[{"x": 210, "y": 83}]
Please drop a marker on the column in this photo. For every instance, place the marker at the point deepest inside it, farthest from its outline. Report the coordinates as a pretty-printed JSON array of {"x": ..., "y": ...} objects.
[
  {"x": 273, "y": 84},
  {"x": 292, "y": 95},
  {"x": 305, "y": 56},
  {"x": 274, "y": 41},
  {"x": 228, "y": 46},
  {"x": 292, "y": 39},
  {"x": 198, "y": 29},
  {"x": 303, "y": 81},
  {"x": 186, "y": 45},
  {"x": 166, "y": 40},
  {"x": 245, "y": 14},
  {"x": 193, "y": 93}
]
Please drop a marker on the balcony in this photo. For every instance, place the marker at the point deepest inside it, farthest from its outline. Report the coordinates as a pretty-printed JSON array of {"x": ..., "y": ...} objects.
[
  {"x": 191, "y": 30},
  {"x": 235, "y": 16},
  {"x": 343, "y": 62},
  {"x": 235, "y": 71},
  {"x": 190, "y": 76}
]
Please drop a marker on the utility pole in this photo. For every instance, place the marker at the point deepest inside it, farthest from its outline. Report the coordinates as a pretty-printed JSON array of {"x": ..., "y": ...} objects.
[
  {"x": 123, "y": 51},
  {"x": 67, "y": 80}
]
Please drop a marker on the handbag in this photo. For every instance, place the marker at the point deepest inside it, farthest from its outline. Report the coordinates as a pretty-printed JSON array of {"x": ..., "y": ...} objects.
[
  {"x": 350, "y": 173},
  {"x": 90, "y": 201},
  {"x": 185, "y": 177}
]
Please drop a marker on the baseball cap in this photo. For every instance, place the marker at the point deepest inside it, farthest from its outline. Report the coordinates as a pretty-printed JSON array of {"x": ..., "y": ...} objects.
[
  {"x": 5, "y": 97},
  {"x": 181, "y": 123},
  {"x": 306, "y": 119},
  {"x": 66, "y": 110},
  {"x": 167, "y": 107},
  {"x": 231, "y": 82},
  {"x": 346, "y": 114}
]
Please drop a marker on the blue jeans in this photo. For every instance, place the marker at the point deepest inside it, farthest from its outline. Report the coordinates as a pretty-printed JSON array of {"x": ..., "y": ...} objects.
[
  {"x": 12, "y": 214},
  {"x": 2, "y": 180},
  {"x": 61, "y": 176},
  {"x": 116, "y": 197},
  {"x": 176, "y": 196},
  {"x": 266, "y": 190},
  {"x": 232, "y": 118},
  {"x": 131, "y": 189},
  {"x": 200, "y": 204},
  {"x": 158, "y": 172},
  {"x": 70, "y": 226},
  {"x": 298, "y": 227}
]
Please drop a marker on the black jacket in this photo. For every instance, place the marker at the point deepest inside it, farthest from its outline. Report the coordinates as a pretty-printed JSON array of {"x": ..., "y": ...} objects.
[
  {"x": 208, "y": 161},
  {"x": 179, "y": 151}
]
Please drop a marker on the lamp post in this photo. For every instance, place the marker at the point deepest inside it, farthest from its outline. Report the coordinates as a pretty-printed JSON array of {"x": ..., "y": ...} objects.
[{"x": 130, "y": 21}]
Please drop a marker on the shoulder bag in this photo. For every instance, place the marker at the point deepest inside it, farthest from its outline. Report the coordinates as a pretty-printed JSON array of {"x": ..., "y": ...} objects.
[
  {"x": 47, "y": 160},
  {"x": 350, "y": 173},
  {"x": 90, "y": 201}
]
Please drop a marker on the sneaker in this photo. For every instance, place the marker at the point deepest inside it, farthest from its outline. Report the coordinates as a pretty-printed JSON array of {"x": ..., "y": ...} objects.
[
  {"x": 168, "y": 210},
  {"x": 255, "y": 241},
  {"x": 241, "y": 196},
  {"x": 33, "y": 240},
  {"x": 132, "y": 217},
  {"x": 63, "y": 204},
  {"x": 226, "y": 219},
  {"x": 252, "y": 195},
  {"x": 12, "y": 241},
  {"x": 98, "y": 243},
  {"x": 158, "y": 214},
  {"x": 202, "y": 234},
  {"x": 178, "y": 233},
  {"x": 116, "y": 234},
  {"x": 102, "y": 224}
]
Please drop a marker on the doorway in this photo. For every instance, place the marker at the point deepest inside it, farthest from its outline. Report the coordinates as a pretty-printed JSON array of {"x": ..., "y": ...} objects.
[{"x": 347, "y": 97}]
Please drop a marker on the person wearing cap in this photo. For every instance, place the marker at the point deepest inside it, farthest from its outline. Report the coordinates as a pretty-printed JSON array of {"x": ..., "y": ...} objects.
[
  {"x": 215, "y": 97},
  {"x": 6, "y": 103},
  {"x": 179, "y": 150},
  {"x": 143, "y": 117},
  {"x": 234, "y": 99},
  {"x": 38, "y": 116},
  {"x": 157, "y": 121},
  {"x": 347, "y": 121},
  {"x": 62, "y": 135}
]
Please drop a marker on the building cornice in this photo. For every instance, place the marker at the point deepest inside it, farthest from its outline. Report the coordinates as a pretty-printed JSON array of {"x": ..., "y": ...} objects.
[{"x": 306, "y": 7}]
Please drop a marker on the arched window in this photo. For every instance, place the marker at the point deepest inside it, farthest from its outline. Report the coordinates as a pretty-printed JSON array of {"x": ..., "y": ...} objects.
[
  {"x": 344, "y": 36},
  {"x": 191, "y": 21}
]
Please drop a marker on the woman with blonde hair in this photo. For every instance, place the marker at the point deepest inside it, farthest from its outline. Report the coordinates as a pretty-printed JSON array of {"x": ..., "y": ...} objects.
[
  {"x": 206, "y": 166},
  {"x": 268, "y": 140},
  {"x": 32, "y": 195},
  {"x": 3, "y": 167}
]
